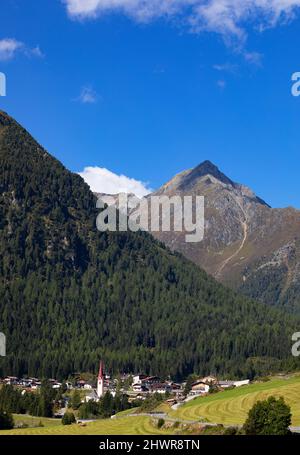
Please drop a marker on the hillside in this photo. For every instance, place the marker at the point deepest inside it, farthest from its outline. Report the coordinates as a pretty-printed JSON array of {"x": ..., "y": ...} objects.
[
  {"x": 231, "y": 406},
  {"x": 70, "y": 295},
  {"x": 247, "y": 245}
]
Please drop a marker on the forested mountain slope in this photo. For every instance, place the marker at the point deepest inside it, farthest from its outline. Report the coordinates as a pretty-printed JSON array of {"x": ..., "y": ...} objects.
[{"x": 70, "y": 295}]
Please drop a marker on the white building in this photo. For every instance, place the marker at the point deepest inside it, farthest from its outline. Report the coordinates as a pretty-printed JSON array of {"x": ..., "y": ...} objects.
[
  {"x": 241, "y": 383},
  {"x": 139, "y": 378},
  {"x": 87, "y": 387}
]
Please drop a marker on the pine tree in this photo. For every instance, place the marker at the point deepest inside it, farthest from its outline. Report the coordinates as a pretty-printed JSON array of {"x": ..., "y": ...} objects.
[
  {"x": 68, "y": 418},
  {"x": 6, "y": 420},
  {"x": 75, "y": 401}
]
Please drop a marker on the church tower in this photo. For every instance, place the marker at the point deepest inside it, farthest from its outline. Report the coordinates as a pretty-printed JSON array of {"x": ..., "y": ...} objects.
[{"x": 100, "y": 382}]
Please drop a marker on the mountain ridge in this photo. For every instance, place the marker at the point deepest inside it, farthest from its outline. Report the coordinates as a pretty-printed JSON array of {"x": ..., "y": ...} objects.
[
  {"x": 242, "y": 234},
  {"x": 187, "y": 179},
  {"x": 70, "y": 295},
  {"x": 245, "y": 240},
  {"x": 204, "y": 169}
]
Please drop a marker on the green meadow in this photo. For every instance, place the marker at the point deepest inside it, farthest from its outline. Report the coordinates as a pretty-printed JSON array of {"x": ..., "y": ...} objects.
[
  {"x": 231, "y": 407},
  {"x": 228, "y": 408}
]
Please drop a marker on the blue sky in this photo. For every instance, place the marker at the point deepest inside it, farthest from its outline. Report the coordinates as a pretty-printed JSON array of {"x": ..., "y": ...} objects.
[{"x": 148, "y": 93}]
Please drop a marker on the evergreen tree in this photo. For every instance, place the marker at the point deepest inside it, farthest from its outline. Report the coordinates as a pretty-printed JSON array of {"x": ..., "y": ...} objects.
[
  {"x": 46, "y": 400},
  {"x": 75, "y": 401},
  {"x": 68, "y": 418},
  {"x": 89, "y": 410},
  {"x": 107, "y": 404},
  {"x": 6, "y": 420},
  {"x": 188, "y": 385}
]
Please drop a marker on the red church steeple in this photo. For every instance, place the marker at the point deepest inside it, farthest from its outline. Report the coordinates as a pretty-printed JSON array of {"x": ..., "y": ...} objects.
[{"x": 101, "y": 369}]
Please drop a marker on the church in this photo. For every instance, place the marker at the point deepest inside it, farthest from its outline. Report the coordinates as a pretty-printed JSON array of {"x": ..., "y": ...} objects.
[
  {"x": 100, "y": 381},
  {"x": 95, "y": 395}
]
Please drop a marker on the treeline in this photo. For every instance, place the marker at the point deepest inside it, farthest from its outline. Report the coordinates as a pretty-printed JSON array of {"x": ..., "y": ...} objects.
[
  {"x": 40, "y": 403},
  {"x": 45, "y": 401},
  {"x": 70, "y": 296},
  {"x": 106, "y": 407}
]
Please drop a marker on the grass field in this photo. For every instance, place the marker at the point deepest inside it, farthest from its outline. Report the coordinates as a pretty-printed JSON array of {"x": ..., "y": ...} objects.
[
  {"x": 122, "y": 426},
  {"x": 228, "y": 407},
  {"x": 35, "y": 421},
  {"x": 232, "y": 406},
  {"x": 128, "y": 411}
]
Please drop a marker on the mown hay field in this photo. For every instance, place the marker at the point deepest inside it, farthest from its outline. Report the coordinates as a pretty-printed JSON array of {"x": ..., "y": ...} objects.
[
  {"x": 232, "y": 406},
  {"x": 121, "y": 426}
]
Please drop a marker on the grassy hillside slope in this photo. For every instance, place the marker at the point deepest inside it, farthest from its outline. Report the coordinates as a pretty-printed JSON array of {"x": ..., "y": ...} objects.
[{"x": 231, "y": 407}]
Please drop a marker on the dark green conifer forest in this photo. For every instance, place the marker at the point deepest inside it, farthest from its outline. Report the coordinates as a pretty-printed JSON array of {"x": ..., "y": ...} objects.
[{"x": 70, "y": 295}]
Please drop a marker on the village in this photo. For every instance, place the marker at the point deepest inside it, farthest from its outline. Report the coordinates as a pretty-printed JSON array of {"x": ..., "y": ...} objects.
[{"x": 134, "y": 386}]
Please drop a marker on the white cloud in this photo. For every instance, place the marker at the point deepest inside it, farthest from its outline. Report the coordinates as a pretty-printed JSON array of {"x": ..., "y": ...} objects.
[
  {"x": 254, "y": 58},
  {"x": 9, "y": 47},
  {"x": 87, "y": 96},
  {"x": 36, "y": 52},
  {"x": 225, "y": 67},
  {"x": 102, "y": 180},
  {"x": 227, "y": 17}
]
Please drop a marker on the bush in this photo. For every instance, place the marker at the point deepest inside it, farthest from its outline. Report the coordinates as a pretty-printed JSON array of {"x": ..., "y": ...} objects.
[
  {"x": 213, "y": 430},
  {"x": 151, "y": 402},
  {"x": 75, "y": 400},
  {"x": 264, "y": 379},
  {"x": 160, "y": 423},
  {"x": 68, "y": 418},
  {"x": 231, "y": 431},
  {"x": 6, "y": 421},
  {"x": 269, "y": 417},
  {"x": 89, "y": 410},
  {"x": 213, "y": 388}
]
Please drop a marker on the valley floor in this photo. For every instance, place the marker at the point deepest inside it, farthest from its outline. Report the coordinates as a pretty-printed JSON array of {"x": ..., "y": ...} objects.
[
  {"x": 122, "y": 426},
  {"x": 227, "y": 408}
]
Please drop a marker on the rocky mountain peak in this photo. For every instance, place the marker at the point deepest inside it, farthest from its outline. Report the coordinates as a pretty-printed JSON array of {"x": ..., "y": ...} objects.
[{"x": 207, "y": 168}]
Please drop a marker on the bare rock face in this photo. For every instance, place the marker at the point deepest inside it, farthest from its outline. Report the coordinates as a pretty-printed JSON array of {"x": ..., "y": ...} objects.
[{"x": 247, "y": 244}]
